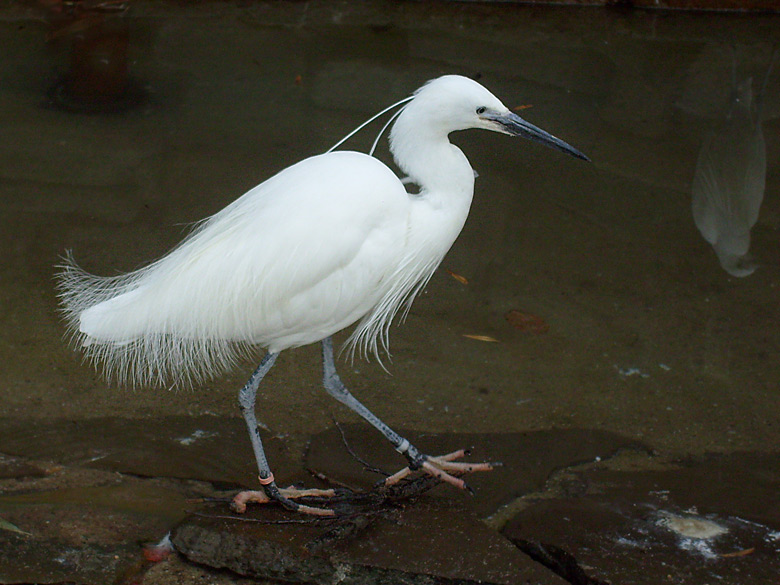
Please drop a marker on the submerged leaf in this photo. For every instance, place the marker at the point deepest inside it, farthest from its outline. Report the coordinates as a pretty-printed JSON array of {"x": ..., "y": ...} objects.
[
  {"x": 481, "y": 338},
  {"x": 458, "y": 277},
  {"x": 526, "y": 322}
]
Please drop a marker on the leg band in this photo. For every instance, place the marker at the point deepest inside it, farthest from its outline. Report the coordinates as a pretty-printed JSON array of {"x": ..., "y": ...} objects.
[{"x": 403, "y": 447}]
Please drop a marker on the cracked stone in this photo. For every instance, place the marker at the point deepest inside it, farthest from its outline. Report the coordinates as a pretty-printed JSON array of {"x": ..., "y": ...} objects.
[
  {"x": 431, "y": 541},
  {"x": 714, "y": 519}
]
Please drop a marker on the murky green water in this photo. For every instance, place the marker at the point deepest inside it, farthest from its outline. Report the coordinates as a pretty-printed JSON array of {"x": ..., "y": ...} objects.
[
  {"x": 648, "y": 336},
  {"x": 609, "y": 309}
]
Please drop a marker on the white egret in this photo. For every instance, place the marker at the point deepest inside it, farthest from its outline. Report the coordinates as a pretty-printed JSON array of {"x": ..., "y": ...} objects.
[{"x": 332, "y": 240}]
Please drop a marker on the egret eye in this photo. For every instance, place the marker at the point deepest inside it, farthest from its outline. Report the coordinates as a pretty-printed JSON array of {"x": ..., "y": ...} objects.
[{"x": 481, "y": 110}]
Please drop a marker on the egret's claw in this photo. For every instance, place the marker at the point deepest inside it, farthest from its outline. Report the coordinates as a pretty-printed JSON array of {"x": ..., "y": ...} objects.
[
  {"x": 443, "y": 467},
  {"x": 286, "y": 497}
]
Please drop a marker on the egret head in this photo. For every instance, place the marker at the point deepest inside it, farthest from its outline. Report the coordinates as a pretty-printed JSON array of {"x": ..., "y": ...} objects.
[{"x": 453, "y": 103}]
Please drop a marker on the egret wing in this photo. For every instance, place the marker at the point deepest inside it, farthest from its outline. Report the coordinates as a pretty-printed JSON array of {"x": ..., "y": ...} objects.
[{"x": 295, "y": 259}]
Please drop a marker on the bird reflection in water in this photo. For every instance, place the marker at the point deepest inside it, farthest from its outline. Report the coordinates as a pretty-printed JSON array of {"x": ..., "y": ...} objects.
[{"x": 728, "y": 185}]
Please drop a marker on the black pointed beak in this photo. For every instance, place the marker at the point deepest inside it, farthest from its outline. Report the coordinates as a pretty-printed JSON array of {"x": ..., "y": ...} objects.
[{"x": 511, "y": 123}]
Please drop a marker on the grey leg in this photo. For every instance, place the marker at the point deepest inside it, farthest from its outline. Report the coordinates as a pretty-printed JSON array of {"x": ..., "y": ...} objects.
[
  {"x": 246, "y": 399},
  {"x": 436, "y": 466},
  {"x": 335, "y": 387}
]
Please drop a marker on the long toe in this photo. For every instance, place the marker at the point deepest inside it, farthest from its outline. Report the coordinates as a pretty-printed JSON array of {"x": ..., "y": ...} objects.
[
  {"x": 445, "y": 468},
  {"x": 446, "y": 463},
  {"x": 286, "y": 497},
  {"x": 241, "y": 499}
]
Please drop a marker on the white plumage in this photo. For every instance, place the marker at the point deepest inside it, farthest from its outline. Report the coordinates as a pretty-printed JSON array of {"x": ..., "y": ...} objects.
[{"x": 327, "y": 242}]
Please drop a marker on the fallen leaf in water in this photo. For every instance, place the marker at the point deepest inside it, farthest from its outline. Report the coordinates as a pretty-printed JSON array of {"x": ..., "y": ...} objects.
[
  {"x": 522, "y": 107},
  {"x": 298, "y": 80},
  {"x": 458, "y": 277},
  {"x": 481, "y": 338},
  {"x": 526, "y": 322},
  {"x": 6, "y": 525},
  {"x": 739, "y": 553}
]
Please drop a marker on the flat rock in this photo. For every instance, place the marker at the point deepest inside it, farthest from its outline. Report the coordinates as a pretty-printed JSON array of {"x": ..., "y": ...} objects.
[
  {"x": 27, "y": 560},
  {"x": 713, "y": 520},
  {"x": 436, "y": 537},
  {"x": 426, "y": 542},
  {"x": 83, "y": 535},
  {"x": 176, "y": 570},
  {"x": 12, "y": 467},
  {"x": 528, "y": 459},
  {"x": 207, "y": 448},
  {"x": 217, "y": 450}
]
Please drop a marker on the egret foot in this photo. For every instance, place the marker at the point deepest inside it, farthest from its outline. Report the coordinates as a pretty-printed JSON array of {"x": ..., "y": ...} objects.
[
  {"x": 286, "y": 497},
  {"x": 443, "y": 467}
]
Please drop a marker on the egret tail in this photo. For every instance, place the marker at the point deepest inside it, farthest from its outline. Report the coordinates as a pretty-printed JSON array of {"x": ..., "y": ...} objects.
[{"x": 114, "y": 320}]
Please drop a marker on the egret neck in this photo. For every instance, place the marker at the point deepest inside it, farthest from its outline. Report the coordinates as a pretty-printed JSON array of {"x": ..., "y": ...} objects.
[{"x": 444, "y": 175}]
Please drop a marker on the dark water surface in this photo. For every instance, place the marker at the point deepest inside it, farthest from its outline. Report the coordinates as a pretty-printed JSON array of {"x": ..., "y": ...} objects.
[
  {"x": 636, "y": 327},
  {"x": 648, "y": 335}
]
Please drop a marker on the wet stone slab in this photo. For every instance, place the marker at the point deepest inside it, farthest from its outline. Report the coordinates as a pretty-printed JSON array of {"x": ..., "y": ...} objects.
[
  {"x": 714, "y": 520},
  {"x": 527, "y": 459},
  {"x": 14, "y": 467},
  {"x": 207, "y": 448},
  {"x": 430, "y": 541},
  {"x": 217, "y": 450},
  {"x": 434, "y": 539},
  {"x": 176, "y": 570},
  {"x": 70, "y": 525},
  {"x": 100, "y": 479}
]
